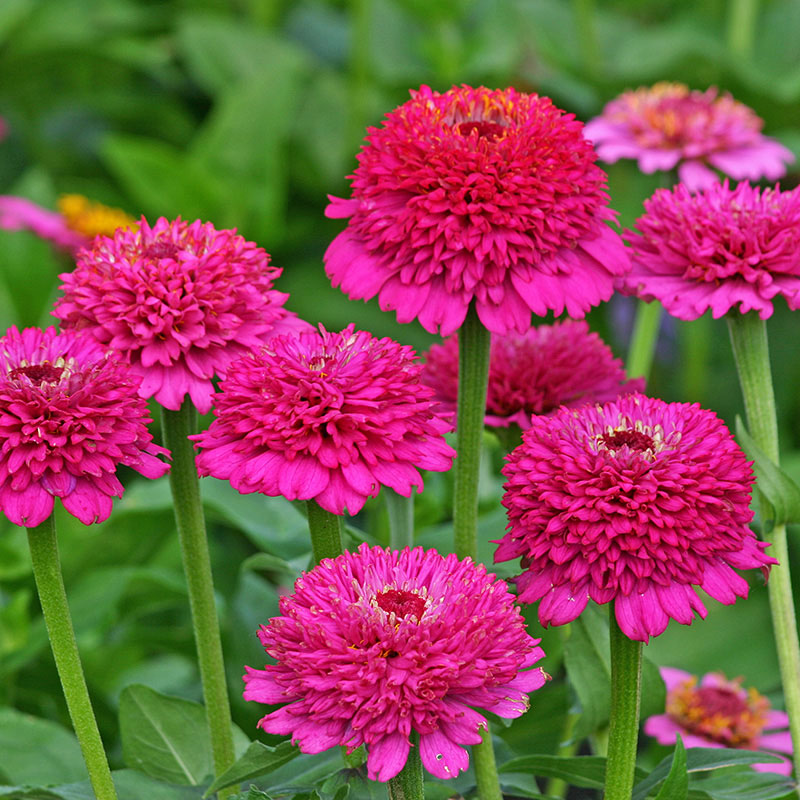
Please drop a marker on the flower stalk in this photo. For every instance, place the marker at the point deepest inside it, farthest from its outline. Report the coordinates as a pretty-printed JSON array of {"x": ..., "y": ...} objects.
[
  {"x": 643, "y": 341},
  {"x": 177, "y": 426},
  {"x": 326, "y": 532},
  {"x": 401, "y": 519},
  {"x": 53, "y": 598}
]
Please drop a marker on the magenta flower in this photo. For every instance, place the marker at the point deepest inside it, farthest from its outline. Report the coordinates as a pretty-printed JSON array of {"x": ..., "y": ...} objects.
[
  {"x": 20, "y": 214},
  {"x": 637, "y": 501},
  {"x": 534, "y": 373},
  {"x": 179, "y": 301},
  {"x": 716, "y": 250},
  {"x": 69, "y": 416},
  {"x": 476, "y": 194},
  {"x": 720, "y": 713},
  {"x": 376, "y": 644},
  {"x": 668, "y": 126},
  {"x": 325, "y": 416}
]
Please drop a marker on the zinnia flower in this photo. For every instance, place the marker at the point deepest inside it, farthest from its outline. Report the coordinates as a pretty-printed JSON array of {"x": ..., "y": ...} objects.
[
  {"x": 534, "y": 373},
  {"x": 179, "y": 301},
  {"x": 70, "y": 414},
  {"x": 325, "y": 416},
  {"x": 716, "y": 250},
  {"x": 376, "y": 644},
  {"x": 669, "y": 126},
  {"x": 720, "y": 713},
  {"x": 637, "y": 501},
  {"x": 477, "y": 194}
]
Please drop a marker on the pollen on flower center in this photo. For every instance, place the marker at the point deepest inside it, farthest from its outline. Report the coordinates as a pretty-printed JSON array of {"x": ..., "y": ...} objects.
[
  {"x": 39, "y": 373},
  {"x": 485, "y": 130},
  {"x": 400, "y": 602},
  {"x": 635, "y": 440}
]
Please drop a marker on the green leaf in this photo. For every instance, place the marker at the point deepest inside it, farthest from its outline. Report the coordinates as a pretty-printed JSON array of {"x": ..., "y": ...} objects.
[
  {"x": 131, "y": 785},
  {"x": 746, "y": 784},
  {"x": 253, "y": 793},
  {"x": 259, "y": 759},
  {"x": 781, "y": 491},
  {"x": 164, "y": 737},
  {"x": 587, "y": 772},
  {"x": 676, "y": 786}
]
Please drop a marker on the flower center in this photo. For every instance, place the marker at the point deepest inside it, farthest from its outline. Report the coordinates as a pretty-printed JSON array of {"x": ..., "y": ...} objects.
[
  {"x": 485, "y": 130},
  {"x": 157, "y": 250},
  {"x": 401, "y": 603},
  {"x": 39, "y": 373},
  {"x": 635, "y": 440}
]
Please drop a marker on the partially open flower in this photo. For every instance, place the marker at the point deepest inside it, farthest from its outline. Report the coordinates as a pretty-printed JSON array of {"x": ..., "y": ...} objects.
[{"x": 377, "y": 644}]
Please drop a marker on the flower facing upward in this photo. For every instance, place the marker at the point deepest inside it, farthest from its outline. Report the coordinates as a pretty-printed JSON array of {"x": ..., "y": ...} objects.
[
  {"x": 476, "y": 194},
  {"x": 534, "y": 373},
  {"x": 720, "y": 713},
  {"x": 637, "y": 501},
  {"x": 69, "y": 416},
  {"x": 668, "y": 126},
  {"x": 716, "y": 250},
  {"x": 325, "y": 416},
  {"x": 376, "y": 644},
  {"x": 180, "y": 301}
]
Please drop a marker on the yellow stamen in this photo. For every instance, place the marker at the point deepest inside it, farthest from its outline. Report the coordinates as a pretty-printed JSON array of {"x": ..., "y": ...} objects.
[{"x": 91, "y": 219}]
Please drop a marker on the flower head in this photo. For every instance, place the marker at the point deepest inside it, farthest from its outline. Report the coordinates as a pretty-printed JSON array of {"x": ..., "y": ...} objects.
[
  {"x": 535, "y": 373},
  {"x": 69, "y": 416},
  {"x": 718, "y": 712},
  {"x": 717, "y": 249},
  {"x": 179, "y": 301},
  {"x": 637, "y": 501},
  {"x": 476, "y": 194},
  {"x": 668, "y": 126},
  {"x": 376, "y": 644},
  {"x": 325, "y": 416}
]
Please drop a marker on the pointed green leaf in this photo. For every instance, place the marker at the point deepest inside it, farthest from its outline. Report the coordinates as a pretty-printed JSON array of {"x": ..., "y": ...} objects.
[
  {"x": 259, "y": 759},
  {"x": 676, "y": 786}
]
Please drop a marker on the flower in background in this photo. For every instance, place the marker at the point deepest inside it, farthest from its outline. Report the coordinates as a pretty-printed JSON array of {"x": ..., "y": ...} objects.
[
  {"x": 667, "y": 126},
  {"x": 717, "y": 249},
  {"x": 637, "y": 501},
  {"x": 475, "y": 194},
  {"x": 325, "y": 416},
  {"x": 76, "y": 223},
  {"x": 376, "y": 644},
  {"x": 534, "y": 373},
  {"x": 720, "y": 713},
  {"x": 70, "y": 414},
  {"x": 180, "y": 301}
]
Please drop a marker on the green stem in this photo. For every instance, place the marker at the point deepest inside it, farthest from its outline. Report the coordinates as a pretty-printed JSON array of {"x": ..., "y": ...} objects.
[
  {"x": 568, "y": 747},
  {"x": 53, "y": 598},
  {"x": 408, "y": 784},
  {"x": 401, "y": 519},
  {"x": 742, "y": 26},
  {"x": 486, "y": 776},
  {"x": 326, "y": 532},
  {"x": 183, "y": 480},
  {"x": 586, "y": 34},
  {"x": 751, "y": 353},
  {"x": 623, "y": 733},
  {"x": 644, "y": 339}
]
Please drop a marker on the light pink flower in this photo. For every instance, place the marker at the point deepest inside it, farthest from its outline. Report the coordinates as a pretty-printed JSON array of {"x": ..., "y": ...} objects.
[
  {"x": 475, "y": 194},
  {"x": 720, "y": 713},
  {"x": 20, "y": 214},
  {"x": 376, "y": 644},
  {"x": 718, "y": 249},
  {"x": 179, "y": 301},
  {"x": 534, "y": 373},
  {"x": 637, "y": 501},
  {"x": 325, "y": 416},
  {"x": 667, "y": 126},
  {"x": 70, "y": 414}
]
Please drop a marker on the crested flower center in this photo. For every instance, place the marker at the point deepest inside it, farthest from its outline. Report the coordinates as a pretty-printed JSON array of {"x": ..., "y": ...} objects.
[
  {"x": 724, "y": 713},
  {"x": 39, "y": 373},
  {"x": 635, "y": 440},
  {"x": 401, "y": 603},
  {"x": 485, "y": 130},
  {"x": 160, "y": 249}
]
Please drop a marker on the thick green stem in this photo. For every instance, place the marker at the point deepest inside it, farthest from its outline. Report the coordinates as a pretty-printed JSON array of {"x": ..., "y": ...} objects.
[
  {"x": 623, "y": 732},
  {"x": 486, "y": 776},
  {"x": 751, "y": 353},
  {"x": 177, "y": 426},
  {"x": 741, "y": 26},
  {"x": 326, "y": 532},
  {"x": 408, "y": 784},
  {"x": 53, "y": 598},
  {"x": 401, "y": 519},
  {"x": 644, "y": 339}
]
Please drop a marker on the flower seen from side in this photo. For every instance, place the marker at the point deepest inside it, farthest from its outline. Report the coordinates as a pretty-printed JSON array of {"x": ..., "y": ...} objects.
[
  {"x": 180, "y": 301},
  {"x": 717, "y": 712},
  {"x": 70, "y": 415},
  {"x": 720, "y": 249},
  {"x": 638, "y": 501},
  {"x": 325, "y": 416},
  {"x": 480, "y": 195},
  {"x": 534, "y": 373},
  {"x": 668, "y": 125},
  {"x": 377, "y": 644}
]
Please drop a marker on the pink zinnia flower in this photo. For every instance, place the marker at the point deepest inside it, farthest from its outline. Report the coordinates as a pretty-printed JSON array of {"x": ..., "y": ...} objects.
[
  {"x": 716, "y": 250},
  {"x": 179, "y": 301},
  {"x": 720, "y": 713},
  {"x": 637, "y": 501},
  {"x": 534, "y": 373},
  {"x": 376, "y": 644},
  {"x": 70, "y": 414},
  {"x": 669, "y": 126},
  {"x": 477, "y": 194},
  {"x": 325, "y": 416}
]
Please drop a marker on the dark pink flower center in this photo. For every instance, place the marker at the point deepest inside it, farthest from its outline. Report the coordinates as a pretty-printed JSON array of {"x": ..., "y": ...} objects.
[
  {"x": 401, "y": 603},
  {"x": 157, "y": 250},
  {"x": 485, "y": 130},
  {"x": 39, "y": 373},
  {"x": 725, "y": 702},
  {"x": 636, "y": 440}
]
